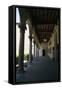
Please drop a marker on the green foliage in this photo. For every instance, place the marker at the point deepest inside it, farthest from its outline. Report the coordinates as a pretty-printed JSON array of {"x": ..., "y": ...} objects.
[
  {"x": 17, "y": 60},
  {"x": 26, "y": 57}
]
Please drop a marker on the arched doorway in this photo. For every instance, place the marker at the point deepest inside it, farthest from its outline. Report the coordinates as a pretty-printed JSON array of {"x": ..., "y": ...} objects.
[{"x": 43, "y": 52}]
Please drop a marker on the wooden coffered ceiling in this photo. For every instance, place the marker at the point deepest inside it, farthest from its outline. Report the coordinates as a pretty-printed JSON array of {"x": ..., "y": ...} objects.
[
  {"x": 44, "y": 31},
  {"x": 44, "y": 19}
]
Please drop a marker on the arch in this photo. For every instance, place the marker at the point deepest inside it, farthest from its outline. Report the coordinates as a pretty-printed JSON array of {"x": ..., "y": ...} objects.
[{"x": 27, "y": 43}]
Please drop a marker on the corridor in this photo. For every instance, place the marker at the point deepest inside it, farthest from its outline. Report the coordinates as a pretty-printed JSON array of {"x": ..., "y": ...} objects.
[
  {"x": 37, "y": 44},
  {"x": 42, "y": 69}
]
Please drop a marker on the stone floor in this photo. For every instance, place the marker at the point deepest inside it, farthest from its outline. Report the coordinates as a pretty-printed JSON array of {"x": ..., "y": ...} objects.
[{"x": 42, "y": 69}]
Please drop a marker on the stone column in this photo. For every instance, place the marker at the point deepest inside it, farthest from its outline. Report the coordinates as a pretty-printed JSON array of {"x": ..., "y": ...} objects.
[
  {"x": 55, "y": 45},
  {"x": 30, "y": 49},
  {"x": 21, "y": 48},
  {"x": 37, "y": 52},
  {"x": 34, "y": 48}
]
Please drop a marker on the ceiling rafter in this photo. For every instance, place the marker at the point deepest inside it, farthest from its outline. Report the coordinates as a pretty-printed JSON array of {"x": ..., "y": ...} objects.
[{"x": 44, "y": 20}]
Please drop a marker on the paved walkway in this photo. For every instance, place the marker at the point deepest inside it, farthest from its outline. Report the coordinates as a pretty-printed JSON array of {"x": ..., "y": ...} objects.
[{"x": 42, "y": 69}]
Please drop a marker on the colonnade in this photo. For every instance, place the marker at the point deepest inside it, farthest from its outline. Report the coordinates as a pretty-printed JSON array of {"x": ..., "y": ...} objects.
[{"x": 21, "y": 48}]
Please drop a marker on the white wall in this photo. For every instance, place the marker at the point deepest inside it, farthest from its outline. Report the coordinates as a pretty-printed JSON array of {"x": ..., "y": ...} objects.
[
  {"x": 43, "y": 46},
  {"x": 50, "y": 54},
  {"x": 52, "y": 41},
  {"x": 40, "y": 51}
]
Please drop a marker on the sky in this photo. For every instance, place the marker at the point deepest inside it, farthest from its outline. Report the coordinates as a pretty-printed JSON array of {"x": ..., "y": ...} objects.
[{"x": 17, "y": 16}]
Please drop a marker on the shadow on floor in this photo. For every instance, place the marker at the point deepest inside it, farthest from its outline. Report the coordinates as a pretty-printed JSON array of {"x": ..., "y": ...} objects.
[{"x": 42, "y": 69}]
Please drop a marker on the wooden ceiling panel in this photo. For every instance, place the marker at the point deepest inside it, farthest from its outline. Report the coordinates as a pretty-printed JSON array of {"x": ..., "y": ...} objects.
[{"x": 44, "y": 20}]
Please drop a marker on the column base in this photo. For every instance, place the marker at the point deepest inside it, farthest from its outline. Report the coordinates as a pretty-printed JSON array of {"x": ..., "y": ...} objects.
[
  {"x": 30, "y": 62},
  {"x": 20, "y": 70}
]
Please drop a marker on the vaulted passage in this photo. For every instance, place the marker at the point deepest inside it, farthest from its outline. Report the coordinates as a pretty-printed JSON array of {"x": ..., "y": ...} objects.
[{"x": 42, "y": 62}]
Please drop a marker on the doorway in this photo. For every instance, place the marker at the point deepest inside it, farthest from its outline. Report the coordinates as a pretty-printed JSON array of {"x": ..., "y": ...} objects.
[{"x": 43, "y": 52}]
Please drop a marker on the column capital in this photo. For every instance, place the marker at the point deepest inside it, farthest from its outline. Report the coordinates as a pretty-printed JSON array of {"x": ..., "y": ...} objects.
[
  {"x": 34, "y": 41},
  {"x": 22, "y": 27},
  {"x": 30, "y": 37}
]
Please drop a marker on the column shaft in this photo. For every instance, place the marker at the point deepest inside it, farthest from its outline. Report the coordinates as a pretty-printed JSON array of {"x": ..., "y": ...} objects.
[
  {"x": 21, "y": 49},
  {"x": 34, "y": 49},
  {"x": 30, "y": 49},
  {"x": 37, "y": 52},
  {"x": 55, "y": 48}
]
